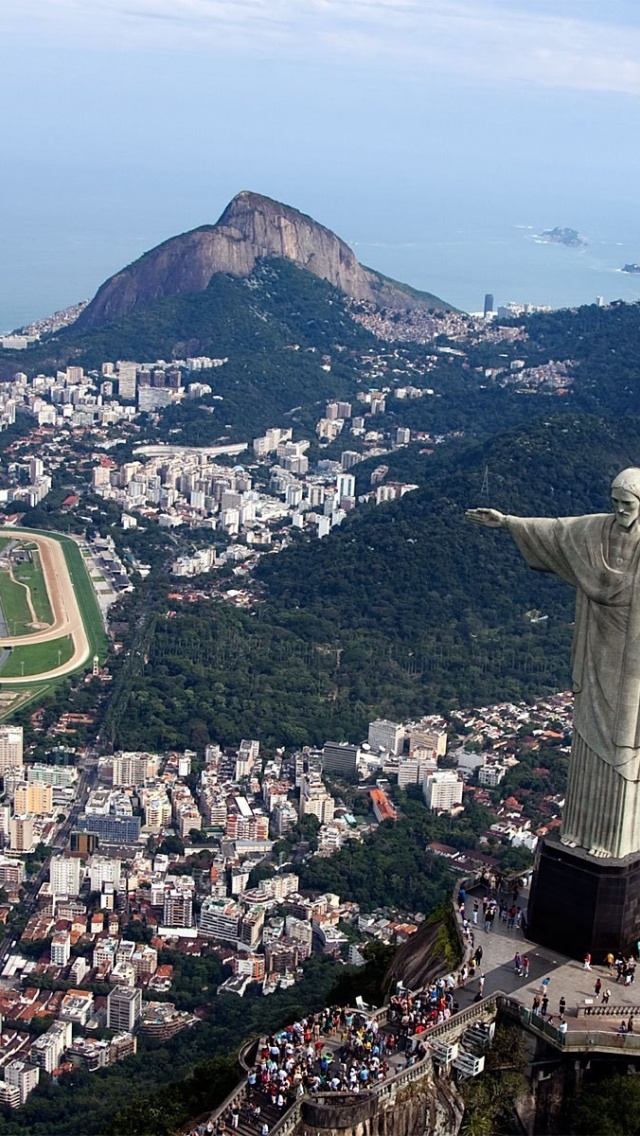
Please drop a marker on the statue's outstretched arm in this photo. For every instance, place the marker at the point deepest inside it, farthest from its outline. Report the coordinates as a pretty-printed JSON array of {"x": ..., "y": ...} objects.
[{"x": 489, "y": 518}]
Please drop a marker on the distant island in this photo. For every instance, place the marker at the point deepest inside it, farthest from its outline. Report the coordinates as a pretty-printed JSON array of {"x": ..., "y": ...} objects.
[
  {"x": 631, "y": 268},
  {"x": 569, "y": 237}
]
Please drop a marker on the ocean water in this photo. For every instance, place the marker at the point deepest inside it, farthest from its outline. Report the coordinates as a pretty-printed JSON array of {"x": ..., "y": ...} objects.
[
  {"x": 459, "y": 258},
  {"x": 508, "y": 260}
]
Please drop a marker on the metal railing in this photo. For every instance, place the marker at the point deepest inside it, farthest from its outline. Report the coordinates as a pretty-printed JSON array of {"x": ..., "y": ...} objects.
[
  {"x": 458, "y": 1021},
  {"x": 605, "y": 1010},
  {"x": 580, "y": 1040}
]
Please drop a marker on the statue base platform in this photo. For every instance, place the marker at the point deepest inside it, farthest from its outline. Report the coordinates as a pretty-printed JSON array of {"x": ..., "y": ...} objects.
[{"x": 581, "y": 903}]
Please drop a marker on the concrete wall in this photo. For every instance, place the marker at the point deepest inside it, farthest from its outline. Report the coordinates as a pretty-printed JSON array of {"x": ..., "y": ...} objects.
[{"x": 429, "y": 1106}]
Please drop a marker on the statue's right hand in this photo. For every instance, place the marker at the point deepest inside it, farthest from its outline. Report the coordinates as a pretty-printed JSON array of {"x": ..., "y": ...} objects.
[{"x": 490, "y": 518}]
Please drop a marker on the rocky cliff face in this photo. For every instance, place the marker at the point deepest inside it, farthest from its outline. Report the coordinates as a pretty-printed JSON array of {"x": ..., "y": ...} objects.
[
  {"x": 435, "y": 949},
  {"x": 252, "y": 227}
]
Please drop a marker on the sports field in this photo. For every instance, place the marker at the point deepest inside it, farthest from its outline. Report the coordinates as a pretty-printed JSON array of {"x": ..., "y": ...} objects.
[
  {"x": 29, "y": 572},
  {"x": 38, "y": 659},
  {"x": 14, "y": 601},
  {"x": 53, "y": 623},
  {"x": 24, "y": 601}
]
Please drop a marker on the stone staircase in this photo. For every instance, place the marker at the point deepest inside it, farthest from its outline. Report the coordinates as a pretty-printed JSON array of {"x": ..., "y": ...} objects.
[{"x": 247, "y": 1124}]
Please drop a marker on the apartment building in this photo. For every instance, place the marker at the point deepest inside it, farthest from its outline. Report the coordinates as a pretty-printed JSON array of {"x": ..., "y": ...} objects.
[
  {"x": 33, "y": 798},
  {"x": 124, "y": 1008},
  {"x": 65, "y": 875},
  {"x": 386, "y": 735},
  {"x": 11, "y": 746},
  {"x": 442, "y": 790}
]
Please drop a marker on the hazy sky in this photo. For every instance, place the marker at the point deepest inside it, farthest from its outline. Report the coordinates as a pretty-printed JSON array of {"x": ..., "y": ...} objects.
[{"x": 126, "y": 121}]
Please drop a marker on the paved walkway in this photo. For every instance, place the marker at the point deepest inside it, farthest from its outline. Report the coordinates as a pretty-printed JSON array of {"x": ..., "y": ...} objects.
[{"x": 568, "y": 978}]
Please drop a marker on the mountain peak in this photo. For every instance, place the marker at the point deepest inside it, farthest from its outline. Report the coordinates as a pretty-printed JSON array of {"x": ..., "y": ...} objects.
[{"x": 251, "y": 228}]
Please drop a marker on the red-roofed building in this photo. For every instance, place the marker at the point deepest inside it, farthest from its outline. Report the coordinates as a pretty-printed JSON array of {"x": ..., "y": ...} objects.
[
  {"x": 382, "y": 806},
  {"x": 445, "y": 850},
  {"x": 512, "y": 803}
]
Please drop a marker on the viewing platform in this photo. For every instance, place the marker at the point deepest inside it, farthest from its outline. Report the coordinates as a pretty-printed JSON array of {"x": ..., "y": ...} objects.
[
  {"x": 453, "y": 1046},
  {"x": 567, "y": 977}
]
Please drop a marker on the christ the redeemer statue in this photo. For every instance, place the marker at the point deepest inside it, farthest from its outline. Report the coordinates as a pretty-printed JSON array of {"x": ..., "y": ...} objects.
[{"x": 599, "y": 555}]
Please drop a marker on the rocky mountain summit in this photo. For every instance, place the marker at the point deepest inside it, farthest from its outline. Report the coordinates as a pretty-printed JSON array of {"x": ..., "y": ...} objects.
[{"x": 252, "y": 228}]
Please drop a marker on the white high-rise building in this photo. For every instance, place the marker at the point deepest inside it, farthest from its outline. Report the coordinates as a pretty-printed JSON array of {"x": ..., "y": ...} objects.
[
  {"x": 442, "y": 790},
  {"x": 127, "y": 381},
  {"x": 9, "y": 1095},
  {"x": 220, "y": 919},
  {"x": 11, "y": 743},
  {"x": 60, "y": 776},
  {"x": 133, "y": 768},
  {"x": 315, "y": 800},
  {"x": 345, "y": 485},
  {"x": 23, "y": 1075},
  {"x": 386, "y": 735},
  {"x": 65, "y": 875},
  {"x": 157, "y": 810},
  {"x": 102, "y": 870},
  {"x": 60, "y": 948},
  {"x": 413, "y": 771},
  {"x": 247, "y": 756},
  {"x": 47, "y": 1050}
]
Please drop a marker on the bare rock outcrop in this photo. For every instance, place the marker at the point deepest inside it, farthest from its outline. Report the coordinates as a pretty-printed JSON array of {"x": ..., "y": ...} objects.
[{"x": 252, "y": 227}]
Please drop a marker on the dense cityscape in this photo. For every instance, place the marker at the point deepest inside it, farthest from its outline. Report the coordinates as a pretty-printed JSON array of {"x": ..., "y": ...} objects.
[{"x": 134, "y": 861}]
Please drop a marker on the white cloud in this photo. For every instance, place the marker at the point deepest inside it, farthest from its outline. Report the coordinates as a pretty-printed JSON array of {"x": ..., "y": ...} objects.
[{"x": 502, "y": 41}]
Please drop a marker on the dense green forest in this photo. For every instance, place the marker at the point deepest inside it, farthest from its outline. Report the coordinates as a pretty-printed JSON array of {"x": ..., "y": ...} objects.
[
  {"x": 392, "y": 866},
  {"x": 604, "y": 343}
]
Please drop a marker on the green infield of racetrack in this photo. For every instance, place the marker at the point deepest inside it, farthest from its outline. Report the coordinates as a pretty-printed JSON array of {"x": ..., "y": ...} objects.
[
  {"x": 90, "y": 612},
  {"x": 87, "y": 603},
  {"x": 30, "y": 572},
  {"x": 16, "y": 610},
  {"x": 37, "y": 659}
]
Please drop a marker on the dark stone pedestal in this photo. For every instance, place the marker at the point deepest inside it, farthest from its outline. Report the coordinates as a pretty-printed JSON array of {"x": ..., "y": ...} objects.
[{"x": 580, "y": 903}]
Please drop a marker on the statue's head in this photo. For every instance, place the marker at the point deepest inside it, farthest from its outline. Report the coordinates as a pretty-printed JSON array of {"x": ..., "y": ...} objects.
[{"x": 625, "y": 496}]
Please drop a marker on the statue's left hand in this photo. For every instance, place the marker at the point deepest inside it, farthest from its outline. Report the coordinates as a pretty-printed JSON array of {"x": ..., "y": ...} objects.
[{"x": 490, "y": 518}]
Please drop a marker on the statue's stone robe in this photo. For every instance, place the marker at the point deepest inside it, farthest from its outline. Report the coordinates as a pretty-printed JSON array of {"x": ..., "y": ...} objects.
[{"x": 602, "y": 811}]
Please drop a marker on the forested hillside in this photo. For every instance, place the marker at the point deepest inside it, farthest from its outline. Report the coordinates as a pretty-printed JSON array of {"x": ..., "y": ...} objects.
[
  {"x": 407, "y": 608},
  {"x": 603, "y": 341},
  {"x": 273, "y": 328},
  {"x": 230, "y": 315}
]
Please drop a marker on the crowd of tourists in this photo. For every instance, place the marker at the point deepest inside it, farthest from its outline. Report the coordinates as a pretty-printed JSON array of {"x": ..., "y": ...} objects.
[{"x": 337, "y": 1050}]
